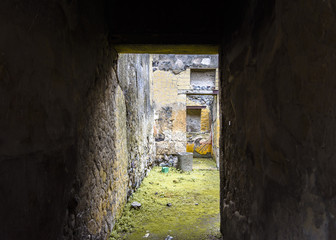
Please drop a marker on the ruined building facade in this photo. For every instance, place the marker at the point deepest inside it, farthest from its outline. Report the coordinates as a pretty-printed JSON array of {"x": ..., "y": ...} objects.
[{"x": 185, "y": 89}]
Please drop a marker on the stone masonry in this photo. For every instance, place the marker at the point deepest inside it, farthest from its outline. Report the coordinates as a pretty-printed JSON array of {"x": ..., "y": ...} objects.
[{"x": 173, "y": 92}]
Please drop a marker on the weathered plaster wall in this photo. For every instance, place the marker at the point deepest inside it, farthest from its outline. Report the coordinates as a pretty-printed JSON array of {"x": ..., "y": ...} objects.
[
  {"x": 170, "y": 112},
  {"x": 200, "y": 141},
  {"x": 203, "y": 78},
  {"x": 117, "y": 148},
  {"x": 215, "y": 129},
  {"x": 193, "y": 120},
  {"x": 134, "y": 79},
  {"x": 278, "y": 108},
  {"x": 171, "y": 75}
]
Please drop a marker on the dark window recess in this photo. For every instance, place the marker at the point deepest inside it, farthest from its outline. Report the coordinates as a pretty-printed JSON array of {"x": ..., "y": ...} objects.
[{"x": 193, "y": 120}]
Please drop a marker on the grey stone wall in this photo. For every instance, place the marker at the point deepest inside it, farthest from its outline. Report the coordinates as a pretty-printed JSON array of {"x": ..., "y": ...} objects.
[
  {"x": 178, "y": 63},
  {"x": 133, "y": 75},
  {"x": 203, "y": 78},
  {"x": 278, "y": 130}
]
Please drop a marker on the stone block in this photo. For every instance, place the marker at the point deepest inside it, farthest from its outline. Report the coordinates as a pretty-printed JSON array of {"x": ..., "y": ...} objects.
[{"x": 185, "y": 161}]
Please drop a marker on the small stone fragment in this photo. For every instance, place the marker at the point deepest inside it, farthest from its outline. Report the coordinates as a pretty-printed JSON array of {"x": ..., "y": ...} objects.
[
  {"x": 135, "y": 205},
  {"x": 169, "y": 237},
  {"x": 169, "y": 204},
  {"x": 146, "y": 235}
]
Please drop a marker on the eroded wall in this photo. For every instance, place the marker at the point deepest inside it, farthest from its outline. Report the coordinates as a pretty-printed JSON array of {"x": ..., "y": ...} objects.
[
  {"x": 134, "y": 79},
  {"x": 278, "y": 138},
  {"x": 66, "y": 122},
  {"x": 53, "y": 55},
  {"x": 199, "y": 141},
  {"x": 172, "y": 89},
  {"x": 117, "y": 149}
]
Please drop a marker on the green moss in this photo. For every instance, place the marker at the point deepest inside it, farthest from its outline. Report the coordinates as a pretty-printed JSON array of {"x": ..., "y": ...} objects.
[{"x": 194, "y": 213}]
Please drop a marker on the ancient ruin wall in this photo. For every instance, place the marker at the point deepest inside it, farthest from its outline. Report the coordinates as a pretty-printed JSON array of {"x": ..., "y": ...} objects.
[
  {"x": 117, "y": 149},
  {"x": 278, "y": 120},
  {"x": 171, "y": 76},
  {"x": 65, "y": 122},
  {"x": 134, "y": 79},
  {"x": 54, "y": 56},
  {"x": 199, "y": 141}
]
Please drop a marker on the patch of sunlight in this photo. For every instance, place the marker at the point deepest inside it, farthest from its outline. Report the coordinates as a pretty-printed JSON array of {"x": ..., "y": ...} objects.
[{"x": 194, "y": 210}]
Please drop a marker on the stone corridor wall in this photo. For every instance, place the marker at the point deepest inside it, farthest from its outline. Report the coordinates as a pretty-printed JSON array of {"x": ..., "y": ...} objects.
[
  {"x": 134, "y": 79},
  {"x": 117, "y": 149},
  {"x": 278, "y": 123},
  {"x": 66, "y": 122},
  {"x": 56, "y": 140}
]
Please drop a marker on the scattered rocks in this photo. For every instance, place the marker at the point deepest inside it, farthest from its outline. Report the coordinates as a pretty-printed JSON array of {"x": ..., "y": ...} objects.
[
  {"x": 169, "y": 204},
  {"x": 136, "y": 205},
  {"x": 146, "y": 235},
  {"x": 167, "y": 161},
  {"x": 169, "y": 237}
]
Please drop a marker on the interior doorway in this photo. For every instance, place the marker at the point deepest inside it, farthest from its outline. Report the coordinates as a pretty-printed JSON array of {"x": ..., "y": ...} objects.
[{"x": 181, "y": 90}]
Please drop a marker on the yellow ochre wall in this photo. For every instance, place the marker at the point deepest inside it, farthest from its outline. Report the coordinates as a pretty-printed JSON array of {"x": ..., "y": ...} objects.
[{"x": 170, "y": 115}]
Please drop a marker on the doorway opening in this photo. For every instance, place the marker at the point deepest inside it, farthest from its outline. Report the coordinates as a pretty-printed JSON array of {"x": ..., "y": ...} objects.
[{"x": 178, "y": 98}]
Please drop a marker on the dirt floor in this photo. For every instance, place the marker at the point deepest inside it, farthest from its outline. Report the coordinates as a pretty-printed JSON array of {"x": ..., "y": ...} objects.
[{"x": 174, "y": 206}]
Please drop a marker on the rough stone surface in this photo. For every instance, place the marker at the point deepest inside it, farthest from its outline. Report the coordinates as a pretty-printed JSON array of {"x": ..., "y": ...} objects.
[
  {"x": 203, "y": 79},
  {"x": 135, "y": 205},
  {"x": 278, "y": 123},
  {"x": 134, "y": 78},
  {"x": 115, "y": 147},
  {"x": 66, "y": 121},
  {"x": 171, "y": 76},
  {"x": 178, "y": 63},
  {"x": 53, "y": 56},
  {"x": 185, "y": 161},
  {"x": 199, "y": 138}
]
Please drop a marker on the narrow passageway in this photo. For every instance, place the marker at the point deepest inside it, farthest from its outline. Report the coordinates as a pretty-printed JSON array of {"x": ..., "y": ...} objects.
[
  {"x": 174, "y": 205},
  {"x": 161, "y": 94},
  {"x": 95, "y": 94}
]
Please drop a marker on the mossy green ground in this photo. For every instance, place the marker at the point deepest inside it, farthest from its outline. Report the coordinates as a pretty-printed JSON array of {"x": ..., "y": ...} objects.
[{"x": 194, "y": 210}]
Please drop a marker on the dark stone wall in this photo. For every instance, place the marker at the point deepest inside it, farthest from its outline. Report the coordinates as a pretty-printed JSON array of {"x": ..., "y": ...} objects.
[
  {"x": 56, "y": 82},
  {"x": 278, "y": 123}
]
